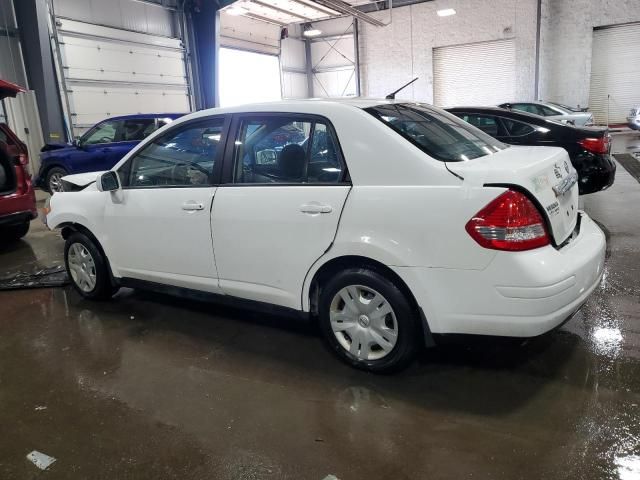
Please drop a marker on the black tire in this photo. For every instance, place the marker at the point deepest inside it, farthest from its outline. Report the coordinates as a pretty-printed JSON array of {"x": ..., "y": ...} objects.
[
  {"x": 103, "y": 288},
  {"x": 59, "y": 171},
  {"x": 407, "y": 320},
  {"x": 13, "y": 233}
]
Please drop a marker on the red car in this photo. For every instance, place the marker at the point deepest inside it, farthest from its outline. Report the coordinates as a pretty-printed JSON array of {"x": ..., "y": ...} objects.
[{"x": 17, "y": 198}]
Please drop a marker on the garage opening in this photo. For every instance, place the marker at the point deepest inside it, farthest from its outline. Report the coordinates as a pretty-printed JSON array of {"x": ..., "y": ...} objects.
[
  {"x": 615, "y": 73},
  {"x": 474, "y": 74},
  {"x": 247, "y": 77}
]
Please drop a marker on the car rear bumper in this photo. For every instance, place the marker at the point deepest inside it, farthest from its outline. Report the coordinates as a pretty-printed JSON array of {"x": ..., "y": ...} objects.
[
  {"x": 596, "y": 172},
  {"x": 520, "y": 294},
  {"x": 18, "y": 207},
  {"x": 16, "y": 218}
]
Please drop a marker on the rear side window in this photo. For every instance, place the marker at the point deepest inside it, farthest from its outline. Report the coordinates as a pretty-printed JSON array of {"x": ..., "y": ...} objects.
[
  {"x": 488, "y": 125},
  {"x": 517, "y": 129},
  {"x": 135, "y": 130},
  {"x": 283, "y": 149},
  {"x": 439, "y": 134}
]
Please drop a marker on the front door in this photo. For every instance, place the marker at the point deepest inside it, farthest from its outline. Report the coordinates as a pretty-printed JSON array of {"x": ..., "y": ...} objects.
[
  {"x": 159, "y": 225},
  {"x": 279, "y": 210}
]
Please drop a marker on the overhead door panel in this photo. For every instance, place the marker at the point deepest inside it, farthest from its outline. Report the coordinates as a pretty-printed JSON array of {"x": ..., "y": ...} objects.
[
  {"x": 615, "y": 73},
  {"x": 474, "y": 74},
  {"x": 110, "y": 72}
]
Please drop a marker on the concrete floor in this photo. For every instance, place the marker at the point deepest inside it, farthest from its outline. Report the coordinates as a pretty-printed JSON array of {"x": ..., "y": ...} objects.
[{"x": 147, "y": 386}]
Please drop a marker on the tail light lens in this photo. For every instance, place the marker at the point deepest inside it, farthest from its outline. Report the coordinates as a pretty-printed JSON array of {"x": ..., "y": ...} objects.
[
  {"x": 510, "y": 222},
  {"x": 595, "y": 145}
]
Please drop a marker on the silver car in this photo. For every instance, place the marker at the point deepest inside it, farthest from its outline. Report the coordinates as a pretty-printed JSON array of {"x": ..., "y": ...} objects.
[
  {"x": 633, "y": 120},
  {"x": 553, "y": 111}
]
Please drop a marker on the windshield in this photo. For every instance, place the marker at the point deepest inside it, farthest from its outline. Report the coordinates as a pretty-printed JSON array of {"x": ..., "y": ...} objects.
[{"x": 437, "y": 133}]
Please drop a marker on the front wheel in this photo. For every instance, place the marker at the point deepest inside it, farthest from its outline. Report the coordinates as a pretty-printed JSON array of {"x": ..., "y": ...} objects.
[
  {"x": 87, "y": 268},
  {"x": 54, "y": 180},
  {"x": 368, "y": 322}
]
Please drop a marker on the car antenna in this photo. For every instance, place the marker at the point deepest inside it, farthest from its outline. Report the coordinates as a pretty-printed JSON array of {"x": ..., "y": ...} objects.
[{"x": 392, "y": 96}]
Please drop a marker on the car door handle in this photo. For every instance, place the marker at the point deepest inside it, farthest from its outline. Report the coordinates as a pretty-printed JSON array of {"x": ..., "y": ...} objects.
[
  {"x": 191, "y": 205},
  {"x": 315, "y": 207}
]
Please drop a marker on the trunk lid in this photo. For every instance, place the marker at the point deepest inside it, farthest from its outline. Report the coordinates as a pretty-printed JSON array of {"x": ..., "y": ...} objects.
[{"x": 545, "y": 173}]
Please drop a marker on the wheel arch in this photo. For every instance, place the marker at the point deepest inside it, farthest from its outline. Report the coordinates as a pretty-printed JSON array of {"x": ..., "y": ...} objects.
[
  {"x": 343, "y": 262},
  {"x": 68, "y": 228}
]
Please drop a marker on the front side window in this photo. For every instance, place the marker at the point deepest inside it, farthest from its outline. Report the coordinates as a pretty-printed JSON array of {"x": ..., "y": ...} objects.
[
  {"x": 439, "y": 134},
  {"x": 105, "y": 132},
  {"x": 185, "y": 156},
  {"x": 281, "y": 149}
]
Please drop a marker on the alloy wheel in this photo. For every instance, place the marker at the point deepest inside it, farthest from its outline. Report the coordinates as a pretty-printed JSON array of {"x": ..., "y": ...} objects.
[
  {"x": 363, "y": 322},
  {"x": 55, "y": 183},
  {"x": 82, "y": 267}
]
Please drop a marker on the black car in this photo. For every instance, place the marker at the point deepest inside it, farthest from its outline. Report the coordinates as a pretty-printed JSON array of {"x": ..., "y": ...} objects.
[{"x": 588, "y": 147}]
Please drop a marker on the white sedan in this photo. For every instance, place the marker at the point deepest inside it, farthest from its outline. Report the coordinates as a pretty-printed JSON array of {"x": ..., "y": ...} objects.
[{"x": 387, "y": 221}]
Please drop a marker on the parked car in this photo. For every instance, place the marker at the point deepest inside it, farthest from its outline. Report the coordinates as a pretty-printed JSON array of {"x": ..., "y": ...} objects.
[
  {"x": 588, "y": 147},
  {"x": 17, "y": 198},
  {"x": 552, "y": 111},
  {"x": 100, "y": 148},
  {"x": 633, "y": 120},
  {"x": 396, "y": 222}
]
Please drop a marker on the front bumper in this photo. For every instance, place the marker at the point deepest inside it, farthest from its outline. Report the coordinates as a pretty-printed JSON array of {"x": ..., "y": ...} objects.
[{"x": 520, "y": 294}]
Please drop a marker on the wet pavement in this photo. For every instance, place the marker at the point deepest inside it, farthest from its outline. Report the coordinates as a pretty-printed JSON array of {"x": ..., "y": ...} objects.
[{"x": 149, "y": 386}]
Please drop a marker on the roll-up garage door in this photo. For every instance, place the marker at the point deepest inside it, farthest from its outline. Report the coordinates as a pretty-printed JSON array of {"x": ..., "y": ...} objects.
[
  {"x": 615, "y": 72},
  {"x": 110, "y": 72},
  {"x": 474, "y": 74}
]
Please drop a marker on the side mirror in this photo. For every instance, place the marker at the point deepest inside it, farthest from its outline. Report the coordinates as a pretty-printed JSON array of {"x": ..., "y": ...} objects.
[{"x": 108, "y": 181}]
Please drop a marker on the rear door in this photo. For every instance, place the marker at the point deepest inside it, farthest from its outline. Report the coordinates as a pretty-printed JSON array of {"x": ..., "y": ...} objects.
[{"x": 278, "y": 212}]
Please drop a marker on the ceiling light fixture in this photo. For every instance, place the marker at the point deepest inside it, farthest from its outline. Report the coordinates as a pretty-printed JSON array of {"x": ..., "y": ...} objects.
[
  {"x": 309, "y": 31},
  {"x": 446, "y": 12}
]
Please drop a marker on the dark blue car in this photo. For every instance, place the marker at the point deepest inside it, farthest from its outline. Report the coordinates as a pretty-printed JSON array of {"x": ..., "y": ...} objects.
[{"x": 100, "y": 148}]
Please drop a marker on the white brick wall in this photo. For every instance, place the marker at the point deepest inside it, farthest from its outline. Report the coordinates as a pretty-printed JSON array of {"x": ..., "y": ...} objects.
[
  {"x": 393, "y": 55},
  {"x": 566, "y": 43}
]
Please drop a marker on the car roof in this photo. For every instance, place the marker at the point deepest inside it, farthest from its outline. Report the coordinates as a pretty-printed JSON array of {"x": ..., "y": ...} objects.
[
  {"x": 516, "y": 115},
  {"x": 303, "y": 104},
  {"x": 146, "y": 115}
]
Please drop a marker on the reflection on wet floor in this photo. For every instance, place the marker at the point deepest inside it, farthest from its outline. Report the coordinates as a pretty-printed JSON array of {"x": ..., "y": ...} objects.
[{"x": 149, "y": 386}]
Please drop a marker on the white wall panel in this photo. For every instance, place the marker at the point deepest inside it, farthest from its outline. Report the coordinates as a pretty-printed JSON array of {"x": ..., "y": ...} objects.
[
  {"x": 333, "y": 53},
  {"x": 249, "y": 34},
  {"x": 294, "y": 85},
  {"x": 337, "y": 83},
  {"x": 615, "y": 73},
  {"x": 92, "y": 104},
  {"x": 126, "y": 14},
  {"x": 475, "y": 74},
  {"x": 391, "y": 56},
  {"x": 293, "y": 54},
  {"x": 567, "y": 44},
  {"x": 110, "y": 72},
  {"x": 11, "y": 63}
]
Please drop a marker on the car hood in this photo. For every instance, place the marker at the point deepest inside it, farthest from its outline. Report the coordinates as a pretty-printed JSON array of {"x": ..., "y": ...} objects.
[
  {"x": 8, "y": 89},
  {"x": 82, "y": 179}
]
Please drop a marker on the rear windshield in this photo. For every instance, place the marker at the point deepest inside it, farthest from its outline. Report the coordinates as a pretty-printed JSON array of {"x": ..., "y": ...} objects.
[{"x": 437, "y": 133}]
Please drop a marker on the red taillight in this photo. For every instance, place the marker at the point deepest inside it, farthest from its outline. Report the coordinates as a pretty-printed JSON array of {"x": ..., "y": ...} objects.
[
  {"x": 510, "y": 222},
  {"x": 595, "y": 145}
]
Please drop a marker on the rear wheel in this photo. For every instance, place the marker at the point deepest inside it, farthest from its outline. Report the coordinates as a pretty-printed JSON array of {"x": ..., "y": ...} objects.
[
  {"x": 13, "y": 233},
  {"x": 87, "y": 268},
  {"x": 368, "y": 322},
  {"x": 54, "y": 180}
]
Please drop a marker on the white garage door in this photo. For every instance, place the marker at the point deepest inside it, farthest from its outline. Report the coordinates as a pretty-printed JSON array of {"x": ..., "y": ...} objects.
[
  {"x": 615, "y": 72},
  {"x": 474, "y": 74},
  {"x": 110, "y": 72}
]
